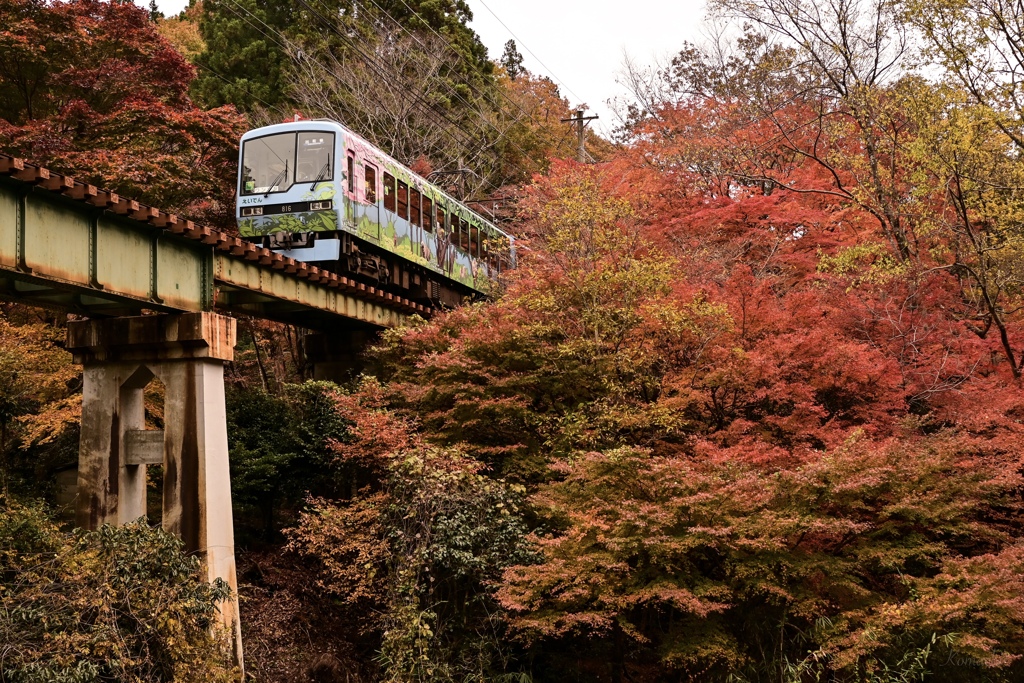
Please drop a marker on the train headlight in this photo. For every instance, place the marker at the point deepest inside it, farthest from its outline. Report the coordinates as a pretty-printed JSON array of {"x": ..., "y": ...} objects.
[
  {"x": 321, "y": 206},
  {"x": 252, "y": 211}
]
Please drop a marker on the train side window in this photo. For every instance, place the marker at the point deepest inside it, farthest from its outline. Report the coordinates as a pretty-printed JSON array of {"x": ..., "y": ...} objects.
[
  {"x": 440, "y": 218},
  {"x": 389, "y": 192},
  {"x": 371, "y": 184},
  {"x": 351, "y": 172},
  {"x": 403, "y": 200},
  {"x": 474, "y": 241},
  {"x": 456, "y": 227},
  {"x": 428, "y": 212},
  {"x": 464, "y": 234},
  {"x": 414, "y": 207}
]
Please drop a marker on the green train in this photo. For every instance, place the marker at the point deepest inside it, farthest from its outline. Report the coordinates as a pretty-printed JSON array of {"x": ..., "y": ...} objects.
[{"x": 317, "y": 192}]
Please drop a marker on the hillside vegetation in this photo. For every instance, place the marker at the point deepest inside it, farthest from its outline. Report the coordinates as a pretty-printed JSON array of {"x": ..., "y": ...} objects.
[{"x": 749, "y": 409}]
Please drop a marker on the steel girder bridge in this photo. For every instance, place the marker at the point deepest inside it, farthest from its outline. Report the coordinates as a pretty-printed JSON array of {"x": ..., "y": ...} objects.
[
  {"x": 69, "y": 244},
  {"x": 110, "y": 259}
]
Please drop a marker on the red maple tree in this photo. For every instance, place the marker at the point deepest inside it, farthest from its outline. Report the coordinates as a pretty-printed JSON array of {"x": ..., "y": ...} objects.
[{"x": 92, "y": 89}]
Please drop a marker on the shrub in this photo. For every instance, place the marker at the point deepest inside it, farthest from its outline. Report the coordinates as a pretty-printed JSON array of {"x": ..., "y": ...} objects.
[{"x": 119, "y": 604}]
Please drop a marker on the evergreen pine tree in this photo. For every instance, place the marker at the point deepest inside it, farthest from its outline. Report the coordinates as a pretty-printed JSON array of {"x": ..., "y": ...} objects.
[
  {"x": 512, "y": 60},
  {"x": 244, "y": 62}
]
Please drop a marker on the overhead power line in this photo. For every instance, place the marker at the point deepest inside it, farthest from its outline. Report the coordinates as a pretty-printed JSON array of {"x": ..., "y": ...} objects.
[
  {"x": 283, "y": 42},
  {"x": 452, "y": 91},
  {"x": 464, "y": 139},
  {"x": 450, "y": 45},
  {"x": 525, "y": 47},
  {"x": 469, "y": 84},
  {"x": 234, "y": 84},
  {"x": 469, "y": 142},
  {"x": 381, "y": 70}
]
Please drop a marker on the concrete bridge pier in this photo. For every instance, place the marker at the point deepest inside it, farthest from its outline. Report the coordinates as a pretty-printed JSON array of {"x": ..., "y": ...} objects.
[{"x": 186, "y": 353}]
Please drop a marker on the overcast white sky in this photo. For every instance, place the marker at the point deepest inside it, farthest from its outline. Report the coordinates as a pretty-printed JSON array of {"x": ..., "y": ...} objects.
[{"x": 579, "y": 43}]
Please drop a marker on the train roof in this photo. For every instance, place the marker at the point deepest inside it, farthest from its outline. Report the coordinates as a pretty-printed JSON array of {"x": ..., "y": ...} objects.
[{"x": 305, "y": 124}]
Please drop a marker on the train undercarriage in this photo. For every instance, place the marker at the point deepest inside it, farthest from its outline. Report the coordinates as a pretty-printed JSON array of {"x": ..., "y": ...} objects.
[{"x": 356, "y": 258}]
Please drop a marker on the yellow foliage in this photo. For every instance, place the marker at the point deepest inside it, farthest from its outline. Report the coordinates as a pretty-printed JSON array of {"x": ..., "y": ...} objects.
[{"x": 183, "y": 32}]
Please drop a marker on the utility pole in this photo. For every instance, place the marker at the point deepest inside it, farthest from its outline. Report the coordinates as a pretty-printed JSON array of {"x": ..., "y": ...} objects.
[{"x": 581, "y": 123}]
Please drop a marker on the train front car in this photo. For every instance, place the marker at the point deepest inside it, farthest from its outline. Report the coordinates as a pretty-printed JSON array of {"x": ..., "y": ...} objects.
[
  {"x": 287, "y": 188},
  {"x": 317, "y": 192}
]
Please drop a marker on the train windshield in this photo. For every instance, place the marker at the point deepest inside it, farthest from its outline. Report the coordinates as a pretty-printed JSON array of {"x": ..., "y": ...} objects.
[{"x": 273, "y": 163}]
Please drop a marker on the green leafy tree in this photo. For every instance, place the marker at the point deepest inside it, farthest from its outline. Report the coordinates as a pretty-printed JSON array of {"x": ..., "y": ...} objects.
[
  {"x": 279, "y": 450},
  {"x": 415, "y": 556},
  {"x": 124, "y": 604}
]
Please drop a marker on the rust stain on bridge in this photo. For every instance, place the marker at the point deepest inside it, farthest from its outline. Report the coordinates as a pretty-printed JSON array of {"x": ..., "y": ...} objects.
[{"x": 72, "y": 245}]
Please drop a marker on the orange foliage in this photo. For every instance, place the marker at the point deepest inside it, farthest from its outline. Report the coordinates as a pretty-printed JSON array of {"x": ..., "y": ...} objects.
[{"x": 740, "y": 411}]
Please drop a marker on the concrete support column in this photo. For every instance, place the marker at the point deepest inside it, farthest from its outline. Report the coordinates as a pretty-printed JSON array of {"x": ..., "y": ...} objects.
[
  {"x": 186, "y": 353},
  {"x": 110, "y": 490}
]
